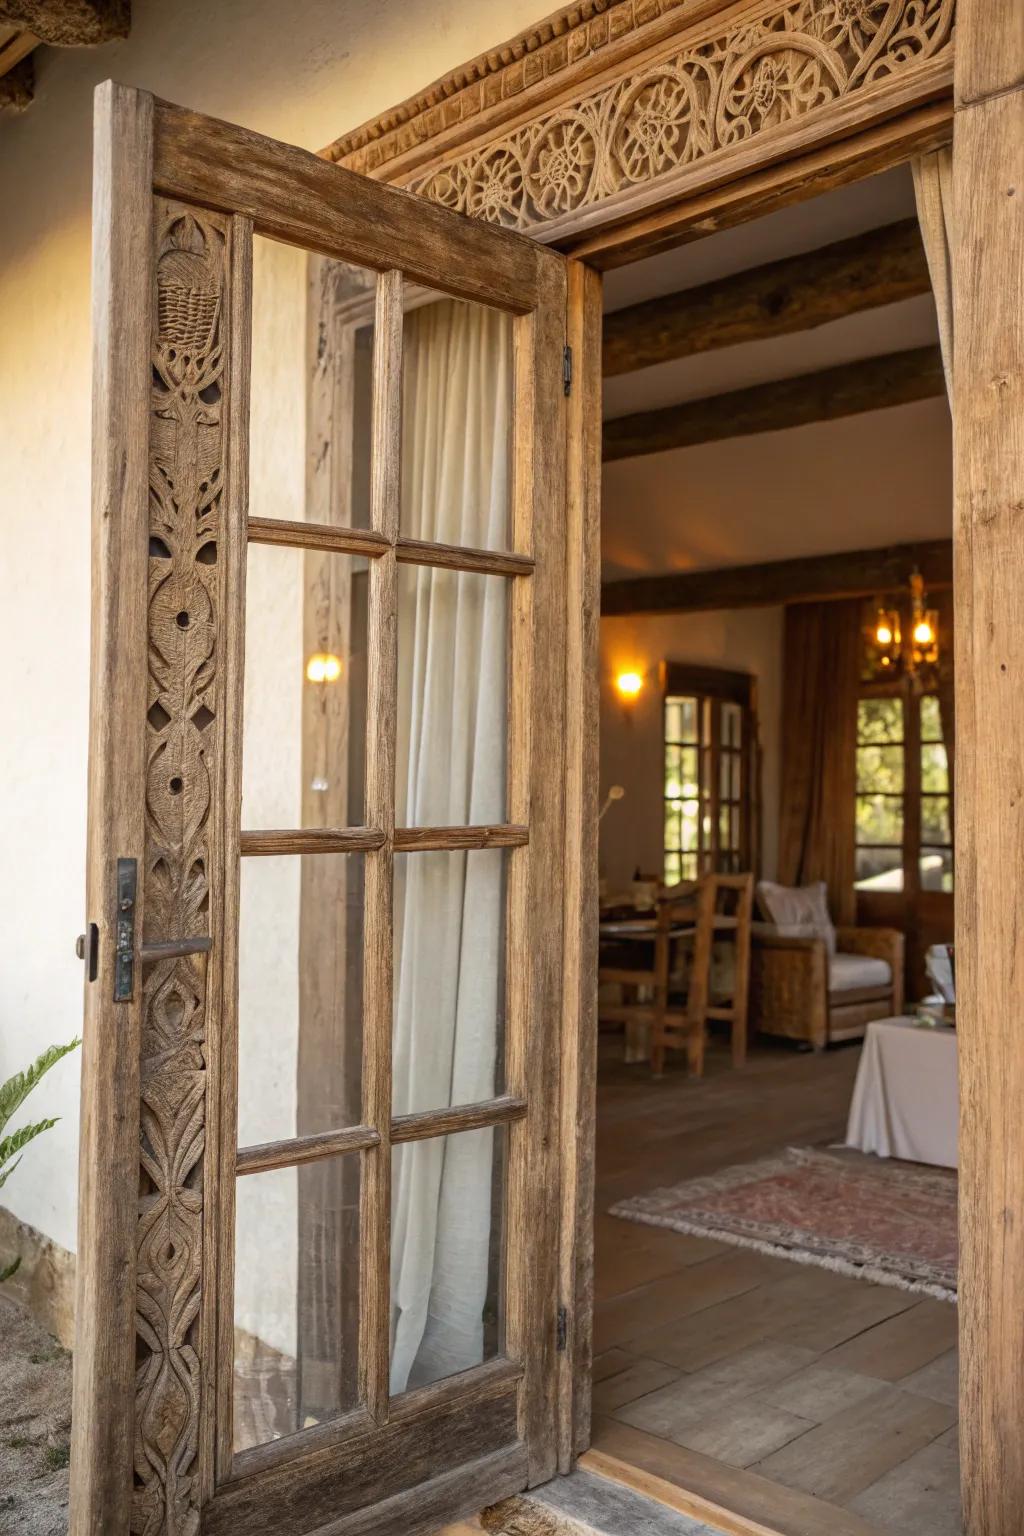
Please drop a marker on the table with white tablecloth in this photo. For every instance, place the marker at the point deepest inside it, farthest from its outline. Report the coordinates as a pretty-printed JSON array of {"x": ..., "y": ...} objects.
[{"x": 905, "y": 1101}]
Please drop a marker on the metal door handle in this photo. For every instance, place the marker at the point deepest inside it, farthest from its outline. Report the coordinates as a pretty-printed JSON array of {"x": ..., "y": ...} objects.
[{"x": 173, "y": 949}]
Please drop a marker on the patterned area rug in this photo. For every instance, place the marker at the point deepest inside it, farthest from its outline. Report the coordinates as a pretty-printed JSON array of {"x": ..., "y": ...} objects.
[{"x": 893, "y": 1223}]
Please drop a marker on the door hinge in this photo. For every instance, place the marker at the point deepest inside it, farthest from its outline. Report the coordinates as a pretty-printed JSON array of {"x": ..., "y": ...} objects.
[
  {"x": 562, "y": 1330},
  {"x": 566, "y": 370}
]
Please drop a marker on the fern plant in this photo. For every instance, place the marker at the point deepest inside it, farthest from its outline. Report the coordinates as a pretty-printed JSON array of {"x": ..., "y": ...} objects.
[{"x": 13, "y": 1094}]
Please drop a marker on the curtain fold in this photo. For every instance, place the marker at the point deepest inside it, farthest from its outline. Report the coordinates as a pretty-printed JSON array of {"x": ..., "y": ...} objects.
[
  {"x": 821, "y": 680},
  {"x": 452, "y": 644}
]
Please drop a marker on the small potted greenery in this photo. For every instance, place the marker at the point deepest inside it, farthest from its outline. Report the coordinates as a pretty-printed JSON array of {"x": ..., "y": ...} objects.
[{"x": 13, "y": 1094}]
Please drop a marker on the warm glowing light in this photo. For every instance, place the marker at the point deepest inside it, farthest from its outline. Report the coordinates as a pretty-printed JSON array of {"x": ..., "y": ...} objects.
[
  {"x": 323, "y": 668},
  {"x": 883, "y": 634},
  {"x": 629, "y": 684},
  {"x": 923, "y": 633}
]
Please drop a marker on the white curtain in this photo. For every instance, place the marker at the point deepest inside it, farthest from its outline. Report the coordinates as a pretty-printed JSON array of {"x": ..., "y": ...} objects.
[
  {"x": 933, "y": 190},
  {"x": 449, "y": 983}
]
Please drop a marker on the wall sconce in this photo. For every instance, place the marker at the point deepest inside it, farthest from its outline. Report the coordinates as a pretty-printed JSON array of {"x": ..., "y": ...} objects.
[
  {"x": 323, "y": 667},
  {"x": 628, "y": 686}
]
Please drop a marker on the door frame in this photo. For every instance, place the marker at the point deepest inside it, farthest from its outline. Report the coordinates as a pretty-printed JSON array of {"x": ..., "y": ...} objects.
[
  {"x": 497, "y": 138},
  {"x": 178, "y": 197}
]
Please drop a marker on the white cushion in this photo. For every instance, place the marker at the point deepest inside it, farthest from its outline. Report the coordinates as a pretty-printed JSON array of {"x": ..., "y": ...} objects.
[
  {"x": 848, "y": 973},
  {"x": 799, "y": 910}
]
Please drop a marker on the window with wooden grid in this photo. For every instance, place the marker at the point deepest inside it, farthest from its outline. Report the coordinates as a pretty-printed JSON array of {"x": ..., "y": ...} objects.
[
  {"x": 708, "y": 785},
  {"x": 904, "y": 834}
]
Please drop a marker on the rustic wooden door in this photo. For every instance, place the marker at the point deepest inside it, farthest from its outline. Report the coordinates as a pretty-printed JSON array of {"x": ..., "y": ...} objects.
[{"x": 345, "y": 1318}]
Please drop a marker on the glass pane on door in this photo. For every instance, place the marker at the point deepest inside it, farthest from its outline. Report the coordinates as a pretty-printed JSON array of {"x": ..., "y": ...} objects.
[
  {"x": 300, "y": 995},
  {"x": 457, "y": 393},
  {"x": 296, "y": 1336},
  {"x": 452, "y": 726},
  {"x": 304, "y": 710},
  {"x": 448, "y": 1234},
  {"x": 449, "y": 979},
  {"x": 283, "y": 484}
]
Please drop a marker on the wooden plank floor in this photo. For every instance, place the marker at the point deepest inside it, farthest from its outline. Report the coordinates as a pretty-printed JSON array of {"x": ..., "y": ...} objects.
[{"x": 816, "y": 1404}]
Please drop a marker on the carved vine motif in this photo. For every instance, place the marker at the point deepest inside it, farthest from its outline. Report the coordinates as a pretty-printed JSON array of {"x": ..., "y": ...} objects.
[
  {"x": 793, "y": 60},
  {"x": 572, "y": 36},
  {"x": 185, "y": 490}
]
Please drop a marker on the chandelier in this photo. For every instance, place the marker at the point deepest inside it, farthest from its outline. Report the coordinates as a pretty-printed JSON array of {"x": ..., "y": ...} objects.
[{"x": 890, "y": 653}]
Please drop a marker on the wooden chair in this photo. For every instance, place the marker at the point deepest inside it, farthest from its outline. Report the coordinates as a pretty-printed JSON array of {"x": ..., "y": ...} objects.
[
  {"x": 719, "y": 904},
  {"x": 638, "y": 975}
]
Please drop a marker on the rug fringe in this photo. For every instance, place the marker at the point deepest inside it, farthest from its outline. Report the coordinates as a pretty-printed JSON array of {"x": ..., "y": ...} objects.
[{"x": 838, "y": 1266}]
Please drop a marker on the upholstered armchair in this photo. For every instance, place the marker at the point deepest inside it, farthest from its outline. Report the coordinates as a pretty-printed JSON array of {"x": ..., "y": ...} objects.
[{"x": 800, "y": 991}]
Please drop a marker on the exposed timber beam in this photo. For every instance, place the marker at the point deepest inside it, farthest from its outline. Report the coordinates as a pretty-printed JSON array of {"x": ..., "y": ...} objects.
[
  {"x": 798, "y": 293},
  {"x": 69, "y": 23},
  {"x": 870, "y": 385},
  {"x": 17, "y": 85},
  {"x": 811, "y": 578}
]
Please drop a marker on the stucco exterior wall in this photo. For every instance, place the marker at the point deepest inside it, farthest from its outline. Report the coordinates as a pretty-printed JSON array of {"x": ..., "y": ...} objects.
[{"x": 303, "y": 72}]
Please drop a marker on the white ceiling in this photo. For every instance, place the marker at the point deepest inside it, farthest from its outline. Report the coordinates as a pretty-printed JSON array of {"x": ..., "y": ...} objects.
[{"x": 880, "y": 478}]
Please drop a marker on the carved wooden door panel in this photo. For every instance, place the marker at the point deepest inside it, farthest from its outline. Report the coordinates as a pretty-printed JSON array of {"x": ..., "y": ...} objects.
[{"x": 319, "y": 1237}]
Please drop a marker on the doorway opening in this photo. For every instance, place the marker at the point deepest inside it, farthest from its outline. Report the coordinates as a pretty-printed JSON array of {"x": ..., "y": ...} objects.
[{"x": 775, "y": 1219}]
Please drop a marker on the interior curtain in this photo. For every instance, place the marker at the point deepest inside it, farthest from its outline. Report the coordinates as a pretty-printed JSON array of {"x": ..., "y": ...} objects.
[
  {"x": 821, "y": 681},
  {"x": 933, "y": 191},
  {"x": 452, "y": 643}
]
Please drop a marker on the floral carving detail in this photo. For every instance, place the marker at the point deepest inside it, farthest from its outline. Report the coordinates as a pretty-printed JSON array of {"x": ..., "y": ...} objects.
[
  {"x": 494, "y": 189},
  {"x": 696, "y": 100},
  {"x": 663, "y": 123},
  {"x": 182, "y": 736},
  {"x": 561, "y": 166}
]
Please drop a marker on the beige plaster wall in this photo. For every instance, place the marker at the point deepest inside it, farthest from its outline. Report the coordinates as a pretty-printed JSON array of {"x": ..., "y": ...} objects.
[
  {"x": 303, "y": 72},
  {"x": 742, "y": 640}
]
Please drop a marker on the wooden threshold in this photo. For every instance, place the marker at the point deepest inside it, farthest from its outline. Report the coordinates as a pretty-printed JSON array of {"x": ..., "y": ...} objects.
[
  {"x": 671, "y": 1496},
  {"x": 739, "y": 1502}
]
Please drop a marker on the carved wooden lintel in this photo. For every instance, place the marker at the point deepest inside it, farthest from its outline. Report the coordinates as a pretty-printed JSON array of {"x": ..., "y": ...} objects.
[
  {"x": 69, "y": 23},
  {"x": 603, "y": 100}
]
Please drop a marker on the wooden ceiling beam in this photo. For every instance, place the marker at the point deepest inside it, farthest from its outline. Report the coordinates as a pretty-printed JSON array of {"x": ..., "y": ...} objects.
[
  {"x": 798, "y": 293},
  {"x": 811, "y": 578},
  {"x": 872, "y": 384},
  {"x": 69, "y": 23}
]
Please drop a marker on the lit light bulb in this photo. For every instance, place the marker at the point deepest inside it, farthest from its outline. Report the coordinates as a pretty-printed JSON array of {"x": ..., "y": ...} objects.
[
  {"x": 923, "y": 633},
  {"x": 323, "y": 668},
  {"x": 629, "y": 684},
  {"x": 883, "y": 634}
]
